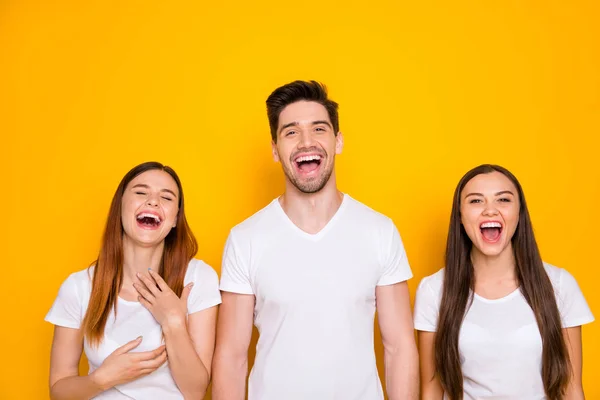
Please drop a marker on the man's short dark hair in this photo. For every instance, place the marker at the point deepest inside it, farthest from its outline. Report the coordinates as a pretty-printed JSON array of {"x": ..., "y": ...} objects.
[{"x": 299, "y": 91}]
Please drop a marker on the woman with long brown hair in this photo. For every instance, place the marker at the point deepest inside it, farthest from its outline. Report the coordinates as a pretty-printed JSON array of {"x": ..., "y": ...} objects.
[
  {"x": 143, "y": 301},
  {"x": 497, "y": 322}
]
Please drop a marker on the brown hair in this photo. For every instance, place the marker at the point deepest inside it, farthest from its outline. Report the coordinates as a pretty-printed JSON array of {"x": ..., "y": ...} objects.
[
  {"x": 533, "y": 281},
  {"x": 300, "y": 91},
  {"x": 180, "y": 247}
]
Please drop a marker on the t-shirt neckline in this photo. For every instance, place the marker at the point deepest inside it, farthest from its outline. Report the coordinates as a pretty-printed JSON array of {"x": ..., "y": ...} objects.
[
  {"x": 498, "y": 300},
  {"x": 324, "y": 230}
]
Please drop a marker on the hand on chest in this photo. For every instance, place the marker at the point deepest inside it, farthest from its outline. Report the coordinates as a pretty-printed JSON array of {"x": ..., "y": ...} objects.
[{"x": 132, "y": 320}]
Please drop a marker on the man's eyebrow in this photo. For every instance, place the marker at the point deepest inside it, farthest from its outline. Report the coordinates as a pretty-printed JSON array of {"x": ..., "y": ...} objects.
[
  {"x": 295, "y": 123},
  {"x": 288, "y": 125}
]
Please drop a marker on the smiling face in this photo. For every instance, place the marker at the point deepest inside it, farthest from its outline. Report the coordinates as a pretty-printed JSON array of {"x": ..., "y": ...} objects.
[
  {"x": 149, "y": 207},
  {"x": 306, "y": 145},
  {"x": 489, "y": 209}
]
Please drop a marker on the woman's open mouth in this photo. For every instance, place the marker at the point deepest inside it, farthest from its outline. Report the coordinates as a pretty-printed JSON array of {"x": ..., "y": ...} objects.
[{"x": 491, "y": 231}]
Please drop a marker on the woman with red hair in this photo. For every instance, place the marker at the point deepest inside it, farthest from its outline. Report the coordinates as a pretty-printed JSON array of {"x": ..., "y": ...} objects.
[{"x": 145, "y": 311}]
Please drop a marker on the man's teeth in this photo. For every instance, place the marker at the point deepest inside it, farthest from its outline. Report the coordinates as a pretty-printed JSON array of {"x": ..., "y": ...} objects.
[
  {"x": 148, "y": 215},
  {"x": 491, "y": 225},
  {"x": 308, "y": 158}
]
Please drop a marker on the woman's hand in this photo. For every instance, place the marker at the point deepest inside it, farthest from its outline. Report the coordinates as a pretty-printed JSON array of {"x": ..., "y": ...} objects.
[
  {"x": 121, "y": 366},
  {"x": 161, "y": 301}
]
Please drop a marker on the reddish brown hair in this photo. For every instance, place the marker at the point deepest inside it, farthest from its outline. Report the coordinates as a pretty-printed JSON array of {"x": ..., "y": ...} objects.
[
  {"x": 180, "y": 247},
  {"x": 534, "y": 283}
]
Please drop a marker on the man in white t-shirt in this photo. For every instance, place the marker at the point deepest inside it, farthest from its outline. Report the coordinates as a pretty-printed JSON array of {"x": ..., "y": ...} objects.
[{"x": 310, "y": 270}]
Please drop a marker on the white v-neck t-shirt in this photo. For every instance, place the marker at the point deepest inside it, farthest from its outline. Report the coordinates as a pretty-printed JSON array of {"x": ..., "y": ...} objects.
[
  {"x": 315, "y": 299},
  {"x": 132, "y": 320},
  {"x": 499, "y": 342}
]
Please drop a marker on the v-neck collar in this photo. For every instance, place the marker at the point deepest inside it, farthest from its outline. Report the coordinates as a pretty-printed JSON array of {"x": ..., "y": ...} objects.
[{"x": 313, "y": 236}]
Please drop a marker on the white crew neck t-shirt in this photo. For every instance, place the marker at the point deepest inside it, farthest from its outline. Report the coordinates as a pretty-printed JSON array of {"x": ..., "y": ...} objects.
[
  {"x": 315, "y": 299},
  {"x": 132, "y": 320},
  {"x": 499, "y": 342}
]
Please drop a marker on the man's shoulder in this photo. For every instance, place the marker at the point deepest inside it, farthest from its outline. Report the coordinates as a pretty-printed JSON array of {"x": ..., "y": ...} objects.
[
  {"x": 257, "y": 222},
  {"x": 365, "y": 214}
]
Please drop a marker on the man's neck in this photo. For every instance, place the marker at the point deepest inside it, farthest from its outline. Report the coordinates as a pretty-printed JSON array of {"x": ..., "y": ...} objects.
[{"x": 311, "y": 211}]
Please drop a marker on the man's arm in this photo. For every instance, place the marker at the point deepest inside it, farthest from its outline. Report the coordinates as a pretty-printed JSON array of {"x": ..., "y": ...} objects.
[
  {"x": 234, "y": 332},
  {"x": 401, "y": 358}
]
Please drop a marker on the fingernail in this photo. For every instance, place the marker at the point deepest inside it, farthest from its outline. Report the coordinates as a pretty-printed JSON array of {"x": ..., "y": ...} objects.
[
  {"x": 139, "y": 338},
  {"x": 137, "y": 274},
  {"x": 191, "y": 284},
  {"x": 149, "y": 269}
]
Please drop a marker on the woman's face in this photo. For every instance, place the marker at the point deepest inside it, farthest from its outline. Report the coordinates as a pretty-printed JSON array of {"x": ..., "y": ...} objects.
[
  {"x": 149, "y": 207},
  {"x": 489, "y": 209}
]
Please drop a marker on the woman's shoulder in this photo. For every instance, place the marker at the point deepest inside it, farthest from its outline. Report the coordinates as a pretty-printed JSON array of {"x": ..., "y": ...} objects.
[
  {"x": 82, "y": 278},
  {"x": 433, "y": 282},
  {"x": 199, "y": 270},
  {"x": 562, "y": 281},
  {"x": 558, "y": 276}
]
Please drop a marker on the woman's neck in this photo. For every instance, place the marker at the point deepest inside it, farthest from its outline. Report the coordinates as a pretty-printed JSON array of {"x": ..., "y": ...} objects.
[
  {"x": 138, "y": 258},
  {"x": 498, "y": 267}
]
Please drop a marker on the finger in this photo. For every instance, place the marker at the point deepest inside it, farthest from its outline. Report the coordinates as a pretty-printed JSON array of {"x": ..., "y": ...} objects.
[
  {"x": 129, "y": 346},
  {"x": 149, "y": 355},
  {"x": 148, "y": 369},
  {"x": 186, "y": 292},
  {"x": 149, "y": 283},
  {"x": 159, "y": 280},
  {"x": 155, "y": 362},
  {"x": 147, "y": 305},
  {"x": 141, "y": 289}
]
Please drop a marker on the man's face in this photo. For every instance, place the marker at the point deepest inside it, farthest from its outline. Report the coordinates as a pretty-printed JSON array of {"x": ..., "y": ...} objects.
[{"x": 306, "y": 145}]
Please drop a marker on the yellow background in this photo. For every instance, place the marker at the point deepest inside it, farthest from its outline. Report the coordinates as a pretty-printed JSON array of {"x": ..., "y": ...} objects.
[{"x": 427, "y": 90}]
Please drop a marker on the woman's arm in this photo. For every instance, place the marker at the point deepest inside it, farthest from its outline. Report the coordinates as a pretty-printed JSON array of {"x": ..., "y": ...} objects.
[
  {"x": 190, "y": 350},
  {"x": 431, "y": 389},
  {"x": 190, "y": 340},
  {"x": 65, "y": 382},
  {"x": 573, "y": 341},
  {"x": 120, "y": 367}
]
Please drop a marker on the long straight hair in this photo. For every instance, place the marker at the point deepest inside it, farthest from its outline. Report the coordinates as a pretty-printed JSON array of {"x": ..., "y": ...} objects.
[
  {"x": 180, "y": 246},
  {"x": 534, "y": 283}
]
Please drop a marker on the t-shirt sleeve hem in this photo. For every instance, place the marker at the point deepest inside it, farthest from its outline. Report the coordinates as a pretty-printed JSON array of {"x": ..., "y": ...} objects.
[
  {"x": 578, "y": 321},
  {"x": 419, "y": 326},
  {"x": 390, "y": 280},
  {"x": 206, "y": 304},
  {"x": 233, "y": 288},
  {"x": 61, "y": 322}
]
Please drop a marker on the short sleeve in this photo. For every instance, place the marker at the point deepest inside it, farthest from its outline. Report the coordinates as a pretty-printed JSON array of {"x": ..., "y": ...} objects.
[
  {"x": 205, "y": 292},
  {"x": 574, "y": 310},
  {"x": 395, "y": 263},
  {"x": 426, "y": 307},
  {"x": 66, "y": 309},
  {"x": 235, "y": 274}
]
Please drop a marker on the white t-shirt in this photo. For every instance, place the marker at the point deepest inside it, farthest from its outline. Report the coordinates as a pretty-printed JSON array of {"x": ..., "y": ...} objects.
[
  {"x": 132, "y": 320},
  {"x": 315, "y": 299},
  {"x": 499, "y": 342}
]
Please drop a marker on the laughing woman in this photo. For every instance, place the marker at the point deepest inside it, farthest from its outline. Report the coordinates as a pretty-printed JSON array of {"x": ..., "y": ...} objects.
[
  {"x": 497, "y": 322},
  {"x": 145, "y": 297}
]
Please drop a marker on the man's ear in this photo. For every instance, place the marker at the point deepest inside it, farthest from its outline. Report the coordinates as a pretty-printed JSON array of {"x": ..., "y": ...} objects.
[
  {"x": 339, "y": 143},
  {"x": 274, "y": 151}
]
